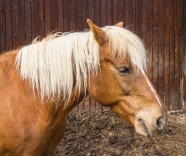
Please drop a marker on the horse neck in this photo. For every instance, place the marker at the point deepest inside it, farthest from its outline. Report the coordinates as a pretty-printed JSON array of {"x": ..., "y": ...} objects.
[{"x": 66, "y": 106}]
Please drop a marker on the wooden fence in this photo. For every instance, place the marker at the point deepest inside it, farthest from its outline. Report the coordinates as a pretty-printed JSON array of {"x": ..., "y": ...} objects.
[{"x": 160, "y": 23}]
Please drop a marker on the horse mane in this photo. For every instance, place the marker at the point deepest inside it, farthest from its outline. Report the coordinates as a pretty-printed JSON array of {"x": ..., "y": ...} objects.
[{"x": 60, "y": 62}]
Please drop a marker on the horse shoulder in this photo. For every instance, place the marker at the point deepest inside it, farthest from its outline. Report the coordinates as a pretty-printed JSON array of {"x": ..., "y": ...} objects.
[{"x": 23, "y": 118}]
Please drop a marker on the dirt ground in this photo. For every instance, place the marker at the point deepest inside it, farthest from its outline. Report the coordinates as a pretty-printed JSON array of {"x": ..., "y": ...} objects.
[{"x": 102, "y": 133}]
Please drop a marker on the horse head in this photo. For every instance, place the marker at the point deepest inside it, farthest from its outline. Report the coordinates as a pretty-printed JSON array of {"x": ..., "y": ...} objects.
[{"x": 122, "y": 83}]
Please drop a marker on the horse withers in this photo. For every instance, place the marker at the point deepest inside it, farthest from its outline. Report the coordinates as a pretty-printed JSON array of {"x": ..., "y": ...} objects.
[{"x": 42, "y": 82}]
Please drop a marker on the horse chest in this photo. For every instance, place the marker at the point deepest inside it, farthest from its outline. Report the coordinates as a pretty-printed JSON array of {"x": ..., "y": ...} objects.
[{"x": 39, "y": 132}]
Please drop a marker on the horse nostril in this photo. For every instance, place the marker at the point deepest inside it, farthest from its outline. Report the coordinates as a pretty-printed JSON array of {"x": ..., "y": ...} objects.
[
  {"x": 140, "y": 120},
  {"x": 160, "y": 123}
]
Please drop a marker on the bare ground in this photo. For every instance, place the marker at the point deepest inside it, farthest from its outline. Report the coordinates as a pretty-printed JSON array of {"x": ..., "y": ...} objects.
[{"x": 102, "y": 133}]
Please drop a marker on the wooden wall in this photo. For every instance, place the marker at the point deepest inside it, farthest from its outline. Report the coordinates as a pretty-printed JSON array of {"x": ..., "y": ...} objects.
[{"x": 160, "y": 23}]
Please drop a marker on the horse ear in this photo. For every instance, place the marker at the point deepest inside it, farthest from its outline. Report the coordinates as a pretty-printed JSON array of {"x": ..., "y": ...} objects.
[
  {"x": 120, "y": 24},
  {"x": 99, "y": 34}
]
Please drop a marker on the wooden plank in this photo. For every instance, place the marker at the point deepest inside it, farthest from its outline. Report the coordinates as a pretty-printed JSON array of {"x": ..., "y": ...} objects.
[
  {"x": 47, "y": 17},
  {"x": 109, "y": 12},
  {"x": 28, "y": 21},
  {"x": 160, "y": 49},
  {"x": 120, "y": 11},
  {"x": 97, "y": 12},
  {"x": 78, "y": 16},
  {"x": 41, "y": 22},
  {"x": 139, "y": 18},
  {"x": 172, "y": 56},
  {"x": 91, "y": 11},
  {"x": 183, "y": 48},
  {"x": 149, "y": 40},
  {"x": 34, "y": 20},
  {"x": 132, "y": 15},
  {"x": 15, "y": 27},
  {"x": 103, "y": 13},
  {"x": 144, "y": 34},
  {"x": 66, "y": 17},
  {"x": 21, "y": 23},
  {"x": 53, "y": 14},
  {"x": 155, "y": 78},
  {"x": 146, "y": 25},
  {"x": 8, "y": 25},
  {"x": 126, "y": 13},
  {"x": 60, "y": 7},
  {"x": 114, "y": 10},
  {"x": 85, "y": 14},
  {"x": 2, "y": 26},
  {"x": 72, "y": 15},
  {"x": 177, "y": 53},
  {"x": 166, "y": 54}
]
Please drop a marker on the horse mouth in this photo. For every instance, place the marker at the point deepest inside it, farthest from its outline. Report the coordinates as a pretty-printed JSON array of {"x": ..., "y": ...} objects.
[{"x": 145, "y": 130}]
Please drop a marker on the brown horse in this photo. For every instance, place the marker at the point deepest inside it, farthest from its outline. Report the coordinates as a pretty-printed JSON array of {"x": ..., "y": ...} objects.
[{"x": 42, "y": 82}]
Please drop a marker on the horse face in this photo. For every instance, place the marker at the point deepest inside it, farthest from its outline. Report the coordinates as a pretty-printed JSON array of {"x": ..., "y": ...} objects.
[{"x": 128, "y": 92}]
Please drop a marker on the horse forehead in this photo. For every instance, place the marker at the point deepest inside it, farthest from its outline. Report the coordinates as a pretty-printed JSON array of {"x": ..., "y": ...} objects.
[
  {"x": 122, "y": 60},
  {"x": 114, "y": 56}
]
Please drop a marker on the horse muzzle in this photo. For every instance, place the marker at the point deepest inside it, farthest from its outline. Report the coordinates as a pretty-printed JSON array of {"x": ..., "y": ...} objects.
[{"x": 144, "y": 127}]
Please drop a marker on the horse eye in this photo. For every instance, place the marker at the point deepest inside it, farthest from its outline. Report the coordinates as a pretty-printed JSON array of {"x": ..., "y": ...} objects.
[{"x": 123, "y": 70}]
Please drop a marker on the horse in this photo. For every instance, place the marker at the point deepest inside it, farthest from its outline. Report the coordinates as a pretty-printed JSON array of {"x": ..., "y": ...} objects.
[{"x": 43, "y": 81}]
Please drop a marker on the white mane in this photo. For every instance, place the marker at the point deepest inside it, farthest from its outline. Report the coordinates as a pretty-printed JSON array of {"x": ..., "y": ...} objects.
[{"x": 54, "y": 64}]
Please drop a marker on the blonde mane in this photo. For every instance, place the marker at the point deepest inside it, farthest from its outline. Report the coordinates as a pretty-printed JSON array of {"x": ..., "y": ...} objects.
[{"x": 53, "y": 64}]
